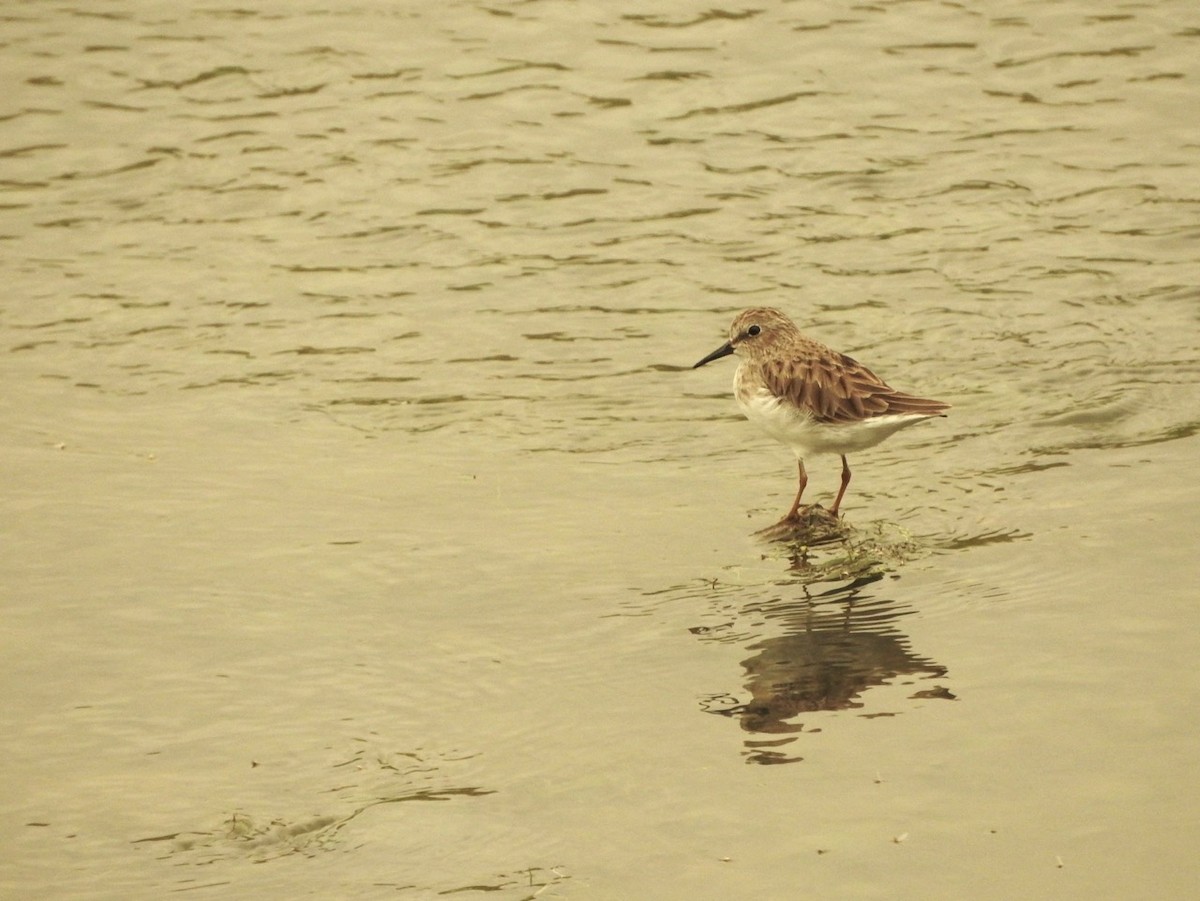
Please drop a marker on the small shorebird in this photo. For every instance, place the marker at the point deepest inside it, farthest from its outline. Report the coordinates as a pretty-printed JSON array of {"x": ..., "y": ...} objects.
[{"x": 810, "y": 397}]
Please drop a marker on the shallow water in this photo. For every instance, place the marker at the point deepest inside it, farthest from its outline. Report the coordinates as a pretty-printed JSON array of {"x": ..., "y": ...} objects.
[{"x": 366, "y": 532}]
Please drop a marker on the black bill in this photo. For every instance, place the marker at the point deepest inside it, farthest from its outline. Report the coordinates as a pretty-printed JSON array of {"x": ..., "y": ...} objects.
[{"x": 723, "y": 351}]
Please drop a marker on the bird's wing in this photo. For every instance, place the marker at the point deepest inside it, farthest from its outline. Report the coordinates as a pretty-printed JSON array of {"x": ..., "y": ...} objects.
[{"x": 836, "y": 388}]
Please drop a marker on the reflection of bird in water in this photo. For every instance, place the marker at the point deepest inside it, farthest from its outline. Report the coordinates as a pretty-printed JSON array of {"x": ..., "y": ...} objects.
[
  {"x": 821, "y": 669},
  {"x": 825, "y": 660}
]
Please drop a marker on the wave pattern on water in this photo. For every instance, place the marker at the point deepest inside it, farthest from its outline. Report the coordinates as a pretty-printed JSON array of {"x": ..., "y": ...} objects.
[
  {"x": 493, "y": 238},
  {"x": 244, "y": 204}
]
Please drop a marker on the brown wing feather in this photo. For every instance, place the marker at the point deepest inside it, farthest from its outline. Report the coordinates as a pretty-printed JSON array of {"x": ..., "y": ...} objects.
[{"x": 837, "y": 388}]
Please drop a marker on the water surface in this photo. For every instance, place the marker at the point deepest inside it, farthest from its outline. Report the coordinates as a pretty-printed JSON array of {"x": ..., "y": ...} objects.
[{"x": 366, "y": 532}]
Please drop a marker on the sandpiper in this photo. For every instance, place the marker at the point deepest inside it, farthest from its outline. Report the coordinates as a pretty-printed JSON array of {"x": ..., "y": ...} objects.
[{"x": 810, "y": 397}]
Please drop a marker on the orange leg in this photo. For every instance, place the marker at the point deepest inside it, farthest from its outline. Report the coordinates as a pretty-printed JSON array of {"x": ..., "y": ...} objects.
[
  {"x": 796, "y": 503},
  {"x": 841, "y": 491}
]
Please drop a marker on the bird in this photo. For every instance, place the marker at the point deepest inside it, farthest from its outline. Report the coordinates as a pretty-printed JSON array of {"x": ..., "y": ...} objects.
[{"x": 811, "y": 398}]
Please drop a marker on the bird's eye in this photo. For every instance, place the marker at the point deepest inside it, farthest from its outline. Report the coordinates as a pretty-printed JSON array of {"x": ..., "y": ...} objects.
[{"x": 753, "y": 331}]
